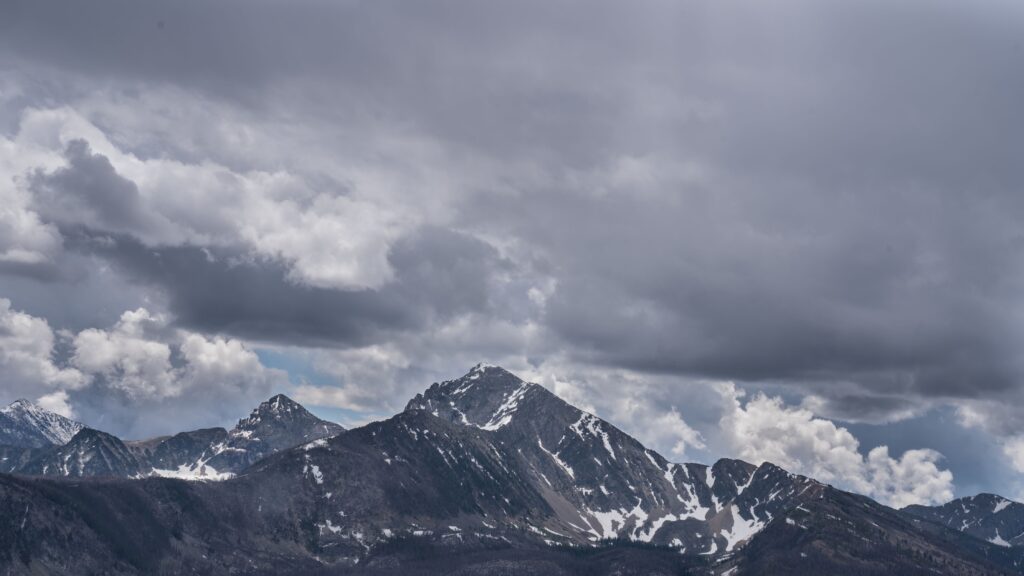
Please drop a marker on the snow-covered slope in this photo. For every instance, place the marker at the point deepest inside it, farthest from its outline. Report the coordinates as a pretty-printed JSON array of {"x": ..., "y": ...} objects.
[{"x": 25, "y": 424}]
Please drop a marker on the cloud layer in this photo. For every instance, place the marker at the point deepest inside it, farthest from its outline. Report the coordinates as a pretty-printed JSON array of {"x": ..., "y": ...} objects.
[{"x": 622, "y": 201}]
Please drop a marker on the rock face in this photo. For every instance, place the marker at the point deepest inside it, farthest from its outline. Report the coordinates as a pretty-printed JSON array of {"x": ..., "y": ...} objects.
[
  {"x": 24, "y": 424},
  {"x": 485, "y": 474},
  {"x": 986, "y": 516}
]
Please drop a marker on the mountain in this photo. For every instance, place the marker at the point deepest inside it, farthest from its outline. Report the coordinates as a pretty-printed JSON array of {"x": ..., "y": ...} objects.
[
  {"x": 24, "y": 424},
  {"x": 844, "y": 533},
  {"x": 600, "y": 482},
  {"x": 212, "y": 453},
  {"x": 181, "y": 455},
  {"x": 88, "y": 453},
  {"x": 485, "y": 474},
  {"x": 215, "y": 453},
  {"x": 276, "y": 424},
  {"x": 986, "y": 516}
]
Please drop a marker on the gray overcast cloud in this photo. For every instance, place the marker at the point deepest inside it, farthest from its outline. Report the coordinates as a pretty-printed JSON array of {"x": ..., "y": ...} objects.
[{"x": 695, "y": 218}]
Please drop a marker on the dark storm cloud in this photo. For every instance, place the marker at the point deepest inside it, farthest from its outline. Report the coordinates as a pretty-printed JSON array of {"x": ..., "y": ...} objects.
[
  {"x": 756, "y": 299},
  {"x": 818, "y": 193},
  {"x": 88, "y": 191},
  {"x": 438, "y": 274}
]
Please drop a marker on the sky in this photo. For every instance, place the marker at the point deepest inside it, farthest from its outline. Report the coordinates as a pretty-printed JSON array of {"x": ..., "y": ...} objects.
[{"x": 786, "y": 231}]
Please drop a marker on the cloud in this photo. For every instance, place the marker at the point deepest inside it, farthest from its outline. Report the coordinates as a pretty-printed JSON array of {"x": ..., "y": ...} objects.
[
  {"x": 1014, "y": 450},
  {"x": 57, "y": 402},
  {"x": 368, "y": 379},
  {"x": 326, "y": 238},
  {"x": 764, "y": 429},
  {"x": 126, "y": 358},
  {"x": 26, "y": 242},
  {"x": 440, "y": 276},
  {"x": 1002, "y": 420},
  {"x": 913, "y": 478},
  {"x": 27, "y": 349},
  {"x": 669, "y": 428},
  {"x": 857, "y": 406},
  {"x": 89, "y": 192},
  {"x": 139, "y": 377},
  {"x": 142, "y": 365},
  {"x": 744, "y": 249},
  {"x": 645, "y": 407},
  {"x": 685, "y": 191},
  {"x": 345, "y": 242}
]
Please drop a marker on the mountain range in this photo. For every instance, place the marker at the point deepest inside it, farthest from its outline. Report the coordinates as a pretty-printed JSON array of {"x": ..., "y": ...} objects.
[
  {"x": 37, "y": 442},
  {"x": 484, "y": 474}
]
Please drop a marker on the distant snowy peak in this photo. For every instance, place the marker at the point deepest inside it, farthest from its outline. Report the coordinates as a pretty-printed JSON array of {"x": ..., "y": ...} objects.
[
  {"x": 276, "y": 424},
  {"x": 990, "y": 517},
  {"x": 278, "y": 411},
  {"x": 279, "y": 407},
  {"x": 24, "y": 423}
]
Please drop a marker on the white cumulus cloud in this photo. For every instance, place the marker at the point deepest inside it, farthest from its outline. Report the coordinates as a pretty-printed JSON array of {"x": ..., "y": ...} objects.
[
  {"x": 766, "y": 429},
  {"x": 139, "y": 377},
  {"x": 27, "y": 363}
]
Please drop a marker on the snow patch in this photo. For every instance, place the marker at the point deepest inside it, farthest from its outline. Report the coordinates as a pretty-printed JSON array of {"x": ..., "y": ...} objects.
[
  {"x": 315, "y": 444},
  {"x": 557, "y": 460},
  {"x": 195, "y": 473},
  {"x": 329, "y": 527},
  {"x": 503, "y": 415},
  {"x": 998, "y": 540},
  {"x": 318, "y": 476},
  {"x": 593, "y": 425},
  {"x": 742, "y": 529}
]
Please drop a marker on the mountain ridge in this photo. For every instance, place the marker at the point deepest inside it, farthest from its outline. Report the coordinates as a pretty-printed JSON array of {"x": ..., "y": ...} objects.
[
  {"x": 24, "y": 424},
  {"x": 483, "y": 465},
  {"x": 205, "y": 454},
  {"x": 987, "y": 516}
]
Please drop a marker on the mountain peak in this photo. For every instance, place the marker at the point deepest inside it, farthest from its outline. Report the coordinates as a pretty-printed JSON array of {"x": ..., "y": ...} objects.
[
  {"x": 280, "y": 403},
  {"x": 989, "y": 497},
  {"x": 279, "y": 408},
  {"x": 275, "y": 424},
  {"x": 22, "y": 403},
  {"x": 487, "y": 376},
  {"x": 487, "y": 397},
  {"x": 483, "y": 367},
  {"x": 25, "y": 423},
  {"x": 483, "y": 373}
]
